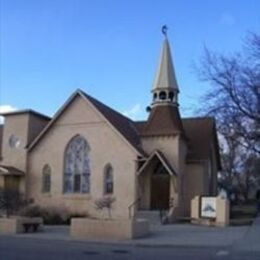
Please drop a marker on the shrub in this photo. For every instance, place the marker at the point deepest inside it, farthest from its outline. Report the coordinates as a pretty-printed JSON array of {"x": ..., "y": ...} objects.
[
  {"x": 11, "y": 201},
  {"x": 51, "y": 215},
  {"x": 105, "y": 202}
]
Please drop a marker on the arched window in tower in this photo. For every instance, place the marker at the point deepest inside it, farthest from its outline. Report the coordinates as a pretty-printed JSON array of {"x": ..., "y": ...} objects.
[
  {"x": 162, "y": 95},
  {"x": 108, "y": 180},
  {"x": 171, "y": 95},
  {"x": 46, "y": 178},
  {"x": 76, "y": 166},
  {"x": 154, "y": 96}
]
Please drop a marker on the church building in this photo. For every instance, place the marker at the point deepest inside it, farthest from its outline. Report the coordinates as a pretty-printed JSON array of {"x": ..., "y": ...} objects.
[{"x": 88, "y": 151}]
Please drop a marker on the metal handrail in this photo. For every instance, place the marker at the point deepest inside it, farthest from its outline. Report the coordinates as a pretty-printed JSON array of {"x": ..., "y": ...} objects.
[
  {"x": 164, "y": 213},
  {"x": 132, "y": 205}
]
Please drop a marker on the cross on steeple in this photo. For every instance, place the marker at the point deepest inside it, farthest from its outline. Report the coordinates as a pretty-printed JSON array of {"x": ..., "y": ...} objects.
[
  {"x": 165, "y": 88},
  {"x": 164, "y": 30}
]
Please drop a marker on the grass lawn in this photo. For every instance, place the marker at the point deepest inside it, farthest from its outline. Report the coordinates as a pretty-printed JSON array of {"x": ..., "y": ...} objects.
[{"x": 243, "y": 214}]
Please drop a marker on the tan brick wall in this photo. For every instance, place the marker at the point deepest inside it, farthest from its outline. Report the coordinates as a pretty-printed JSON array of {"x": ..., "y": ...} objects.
[
  {"x": 170, "y": 146},
  {"x": 194, "y": 184},
  {"x": 18, "y": 126},
  {"x": 106, "y": 145}
]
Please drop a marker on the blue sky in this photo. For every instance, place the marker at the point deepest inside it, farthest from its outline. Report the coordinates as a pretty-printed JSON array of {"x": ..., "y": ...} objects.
[{"x": 110, "y": 49}]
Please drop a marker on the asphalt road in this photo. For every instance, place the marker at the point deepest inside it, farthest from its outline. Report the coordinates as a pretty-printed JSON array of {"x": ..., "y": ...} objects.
[{"x": 15, "y": 248}]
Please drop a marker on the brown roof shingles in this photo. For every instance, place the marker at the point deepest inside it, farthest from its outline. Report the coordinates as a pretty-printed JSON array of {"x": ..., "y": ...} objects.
[
  {"x": 163, "y": 120},
  {"x": 199, "y": 133},
  {"x": 123, "y": 124},
  {"x": 10, "y": 170}
]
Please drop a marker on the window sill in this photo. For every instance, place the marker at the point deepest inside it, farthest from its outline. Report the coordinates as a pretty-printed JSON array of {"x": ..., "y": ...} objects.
[
  {"x": 46, "y": 194},
  {"x": 81, "y": 196}
]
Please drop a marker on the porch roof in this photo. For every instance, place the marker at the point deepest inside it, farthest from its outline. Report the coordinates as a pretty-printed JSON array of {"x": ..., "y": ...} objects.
[
  {"x": 160, "y": 156},
  {"x": 10, "y": 171}
]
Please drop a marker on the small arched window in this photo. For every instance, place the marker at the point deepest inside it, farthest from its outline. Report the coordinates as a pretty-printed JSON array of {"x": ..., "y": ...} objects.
[
  {"x": 108, "y": 180},
  {"x": 171, "y": 95},
  {"x": 76, "y": 166},
  {"x": 154, "y": 96},
  {"x": 162, "y": 95},
  {"x": 46, "y": 178}
]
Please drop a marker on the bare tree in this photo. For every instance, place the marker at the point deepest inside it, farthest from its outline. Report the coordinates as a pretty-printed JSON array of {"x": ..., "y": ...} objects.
[
  {"x": 234, "y": 100},
  {"x": 11, "y": 201},
  {"x": 105, "y": 202}
]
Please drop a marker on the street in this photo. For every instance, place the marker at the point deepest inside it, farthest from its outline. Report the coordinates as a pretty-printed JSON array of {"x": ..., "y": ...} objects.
[{"x": 21, "y": 248}]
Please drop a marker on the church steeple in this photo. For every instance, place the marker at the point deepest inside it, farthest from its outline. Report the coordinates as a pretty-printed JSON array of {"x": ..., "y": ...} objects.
[
  {"x": 164, "y": 116},
  {"x": 165, "y": 88}
]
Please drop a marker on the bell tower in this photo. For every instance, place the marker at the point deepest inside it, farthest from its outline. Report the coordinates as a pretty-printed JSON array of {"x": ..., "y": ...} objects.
[{"x": 165, "y": 88}]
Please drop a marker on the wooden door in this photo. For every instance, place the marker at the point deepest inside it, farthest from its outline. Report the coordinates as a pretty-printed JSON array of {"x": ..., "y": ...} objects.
[{"x": 160, "y": 191}]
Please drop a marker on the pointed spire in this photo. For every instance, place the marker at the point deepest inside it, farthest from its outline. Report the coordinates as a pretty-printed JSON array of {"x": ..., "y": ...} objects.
[
  {"x": 165, "y": 88},
  {"x": 165, "y": 77}
]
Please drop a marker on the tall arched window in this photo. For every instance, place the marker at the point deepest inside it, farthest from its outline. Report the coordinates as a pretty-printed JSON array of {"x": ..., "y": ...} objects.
[
  {"x": 108, "y": 180},
  {"x": 76, "y": 166},
  {"x": 46, "y": 178}
]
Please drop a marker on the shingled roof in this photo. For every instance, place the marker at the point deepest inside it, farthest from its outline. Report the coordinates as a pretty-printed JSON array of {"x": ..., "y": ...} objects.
[
  {"x": 201, "y": 132},
  {"x": 163, "y": 120},
  {"x": 10, "y": 170},
  {"x": 122, "y": 124}
]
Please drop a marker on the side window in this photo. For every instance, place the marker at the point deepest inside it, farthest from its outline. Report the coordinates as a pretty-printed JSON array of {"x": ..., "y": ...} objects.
[
  {"x": 108, "y": 180},
  {"x": 76, "y": 175},
  {"x": 46, "y": 179}
]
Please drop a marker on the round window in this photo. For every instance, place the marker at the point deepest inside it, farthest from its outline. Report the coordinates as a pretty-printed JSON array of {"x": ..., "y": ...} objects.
[{"x": 14, "y": 141}]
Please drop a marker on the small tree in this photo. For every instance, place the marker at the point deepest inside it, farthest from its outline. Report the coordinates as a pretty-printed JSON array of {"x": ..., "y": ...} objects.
[
  {"x": 11, "y": 201},
  {"x": 105, "y": 203}
]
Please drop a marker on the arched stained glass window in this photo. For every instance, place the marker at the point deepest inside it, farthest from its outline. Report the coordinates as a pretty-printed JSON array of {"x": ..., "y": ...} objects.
[
  {"x": 46, "y": 178},
  {"x": 108, "y": 180},
  {"x": 76, "y": 166}
]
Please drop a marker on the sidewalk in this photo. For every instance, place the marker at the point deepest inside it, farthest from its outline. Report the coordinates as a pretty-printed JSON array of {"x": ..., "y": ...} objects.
[
  {"x": 161, "y": 236},
  {"x": 251, "y": 241}
]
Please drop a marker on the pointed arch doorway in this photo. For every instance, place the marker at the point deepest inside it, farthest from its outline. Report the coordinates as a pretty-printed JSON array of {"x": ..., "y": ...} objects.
[
  {"x": 157, "y": 178},
  {"x": 160, "y": 188}
]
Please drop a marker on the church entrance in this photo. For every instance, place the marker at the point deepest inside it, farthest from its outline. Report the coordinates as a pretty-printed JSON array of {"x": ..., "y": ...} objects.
[{"x": 160, "y": 188}]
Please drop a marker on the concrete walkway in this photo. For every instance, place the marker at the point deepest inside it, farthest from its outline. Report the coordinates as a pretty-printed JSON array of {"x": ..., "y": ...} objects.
[
  {"x": 238, "y": 238},
  {"x": 251, "y": 241},
  {"x": 162, "y": 236}
]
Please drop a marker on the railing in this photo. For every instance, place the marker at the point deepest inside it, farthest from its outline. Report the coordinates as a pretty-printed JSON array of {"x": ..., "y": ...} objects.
[
  {"x": 130, "y": 207},
  {"x": 164, "y": 214}
]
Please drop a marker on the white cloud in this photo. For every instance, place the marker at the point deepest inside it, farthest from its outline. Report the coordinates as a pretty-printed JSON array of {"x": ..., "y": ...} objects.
[
  {"x": 227, "y": 19},
  {"x": 134, "y": 112},
  {"x": 5, "y": 109}
]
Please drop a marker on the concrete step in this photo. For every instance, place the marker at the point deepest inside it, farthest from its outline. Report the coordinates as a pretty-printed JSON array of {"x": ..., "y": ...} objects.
[{"x": 153, "y": 216}]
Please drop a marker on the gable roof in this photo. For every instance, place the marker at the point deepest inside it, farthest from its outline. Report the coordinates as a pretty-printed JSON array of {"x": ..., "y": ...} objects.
[
  {"x": 160, "y": 156},
  {"x": 10, "y": 171},
  {"x": 201, "y": 133},
  {"x": 26, "y": 111},
  {"x": 123, "y": 125}
]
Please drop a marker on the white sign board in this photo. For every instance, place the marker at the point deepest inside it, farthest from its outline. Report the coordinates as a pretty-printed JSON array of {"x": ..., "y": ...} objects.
[{"x": 208, "y": 207}]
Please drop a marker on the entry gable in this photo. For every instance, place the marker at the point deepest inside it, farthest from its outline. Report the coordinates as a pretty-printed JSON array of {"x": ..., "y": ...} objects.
[
  {"x": 10, "y": 171},
  {"x": 159, "y": 156}
]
